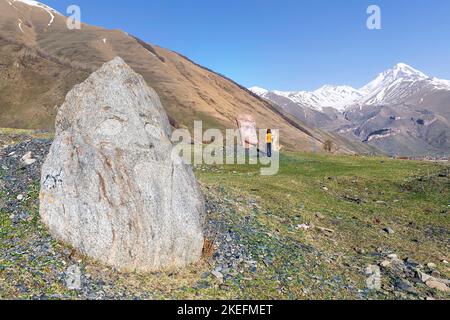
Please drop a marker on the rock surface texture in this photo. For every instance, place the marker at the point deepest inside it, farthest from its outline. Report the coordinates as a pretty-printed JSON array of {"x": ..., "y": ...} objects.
[{"x": 111, "y": 186}]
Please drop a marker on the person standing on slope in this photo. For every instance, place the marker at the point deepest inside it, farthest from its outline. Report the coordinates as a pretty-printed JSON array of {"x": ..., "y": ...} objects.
[{"x": 269, "y": 139}]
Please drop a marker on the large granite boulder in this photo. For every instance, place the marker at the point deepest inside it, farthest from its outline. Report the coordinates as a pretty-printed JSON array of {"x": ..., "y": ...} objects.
[{"x": 111, "y": 186}]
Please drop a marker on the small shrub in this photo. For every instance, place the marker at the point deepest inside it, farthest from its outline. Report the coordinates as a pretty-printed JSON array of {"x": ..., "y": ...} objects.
[
  {"x": 208, "y": 250},
  {"x": 328, "y": 146}
]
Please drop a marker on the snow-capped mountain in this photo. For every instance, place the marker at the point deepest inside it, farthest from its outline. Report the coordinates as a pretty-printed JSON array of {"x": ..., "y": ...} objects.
[
  {"x": 391, "y": 86},
  {"x": 397, "y": 84},
  {"x": 337, "y": 97},
  {"x": 402, "y": 111}
]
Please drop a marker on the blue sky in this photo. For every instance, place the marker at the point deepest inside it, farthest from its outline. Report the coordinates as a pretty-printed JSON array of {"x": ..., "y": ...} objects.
[{"x": 286, "y": 44}]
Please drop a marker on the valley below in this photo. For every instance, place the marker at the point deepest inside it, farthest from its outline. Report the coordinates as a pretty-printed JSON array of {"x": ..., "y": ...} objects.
[{"x": 402, "y": 112}]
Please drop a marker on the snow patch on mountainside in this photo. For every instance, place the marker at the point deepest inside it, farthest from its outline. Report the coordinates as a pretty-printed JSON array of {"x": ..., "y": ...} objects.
[
  {"x": 37, "y": 4},
  {"x": 441, "y": 84},
  {"x": 20, "y": 25},
  {"x": 380, "y": 136},
  {"x": 42, "y": 6},
  {"x": 259, "y": 91}
]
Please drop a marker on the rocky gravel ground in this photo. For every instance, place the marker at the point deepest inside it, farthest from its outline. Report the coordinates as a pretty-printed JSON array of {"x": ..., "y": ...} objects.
[
  {"x": 248, "y": 260},
  {"x": 21, "y": 168},
  {"x": 30, "y": 252}
]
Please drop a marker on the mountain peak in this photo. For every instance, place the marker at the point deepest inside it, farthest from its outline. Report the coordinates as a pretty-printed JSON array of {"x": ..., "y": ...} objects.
[
  {"x": 402, "y": 65},
  {"x": 402, "y": 70},
  {"x": 399, "y": 73}
]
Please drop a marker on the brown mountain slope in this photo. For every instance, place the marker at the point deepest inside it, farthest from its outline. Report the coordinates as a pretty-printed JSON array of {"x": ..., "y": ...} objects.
[{"x": 41, "y": 59}]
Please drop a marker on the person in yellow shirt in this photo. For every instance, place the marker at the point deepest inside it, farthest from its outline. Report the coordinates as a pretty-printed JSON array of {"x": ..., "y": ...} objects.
[{"x": 269, "y": 139}]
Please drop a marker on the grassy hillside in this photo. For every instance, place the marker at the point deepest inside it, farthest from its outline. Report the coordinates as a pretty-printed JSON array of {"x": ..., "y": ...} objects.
[
  {"x": 307, "y": 233},
  {"x": 41, "y": 64}
]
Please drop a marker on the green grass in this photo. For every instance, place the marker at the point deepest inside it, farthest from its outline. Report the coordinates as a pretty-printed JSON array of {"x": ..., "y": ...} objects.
[
  {"x": 395, "y": 192},
  {"x": 356, "y": 197},
  {"x": 410, "y": 197},
  {"x": 32, "y": 133},
  {"x": 10, "y": 136}
]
